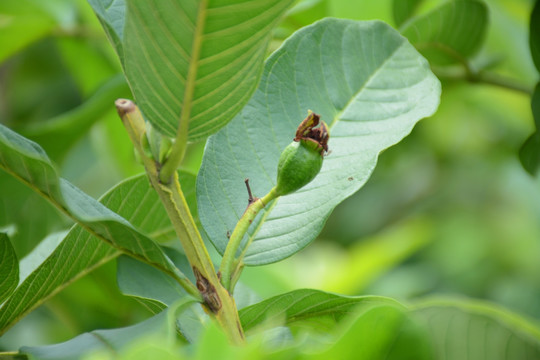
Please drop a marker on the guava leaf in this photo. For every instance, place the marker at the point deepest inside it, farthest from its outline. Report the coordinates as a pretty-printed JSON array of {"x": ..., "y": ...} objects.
[
  {"x": 9, "y": 268},
  {"x": 107, "y": 343},
  {"x": 364, "y": 79},
  {"x": 467, "y": 330},
  {"x": 28, "y": 162},
  {"x": 450, "y": 33},
  {"x": 305, "y": 304},
  {"x": 403, "y": 10},
  {"x": 196, "y": 61},
  {"x": 80, "y": 252}
]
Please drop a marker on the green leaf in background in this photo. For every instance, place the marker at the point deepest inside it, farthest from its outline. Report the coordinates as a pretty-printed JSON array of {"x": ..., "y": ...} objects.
[
  {"x": 80, "y": 252},
  {"x": 112, "y": 16},
  {"x": 89, "y": 64},
  {"x": 306, "y": 304},
  {"x": 350, "y": 270},
  {"x": 22, "y": 23},
  {"x": 534, "y": 34},
  {"x": 450, "y": 33},
  {"x": 403, "y": 10},
  {"x": 529, "y": 154},
  {"x": 57, "y": 135},
  {"x": 381, "y": 332},
  {"x": 157, "y": 291},
  {"x": 28, "y": 162},
  {"x": 472, "y": 330},
  {"x": 364, "y": 79},
  {"x": 105, "y": 343},
  {"x": 198, "y": 61},
  {"x": 9, "y": 268}
]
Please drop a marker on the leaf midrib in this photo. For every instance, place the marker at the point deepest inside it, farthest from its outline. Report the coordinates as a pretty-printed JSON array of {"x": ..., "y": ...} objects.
[{"x": 192, "y": 69}]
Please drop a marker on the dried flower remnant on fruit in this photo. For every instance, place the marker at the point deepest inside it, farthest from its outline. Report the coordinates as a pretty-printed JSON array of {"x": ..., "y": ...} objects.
[
  {"x": 308, "y": 132},
  {"x": 302, "y": 159}
]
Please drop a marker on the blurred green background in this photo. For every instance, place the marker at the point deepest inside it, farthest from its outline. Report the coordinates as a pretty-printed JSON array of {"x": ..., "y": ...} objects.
[{"x": 447, "y": 211}]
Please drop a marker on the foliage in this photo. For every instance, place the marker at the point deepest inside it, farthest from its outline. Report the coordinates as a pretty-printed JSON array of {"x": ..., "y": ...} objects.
[{"x": 447, "y": 211}]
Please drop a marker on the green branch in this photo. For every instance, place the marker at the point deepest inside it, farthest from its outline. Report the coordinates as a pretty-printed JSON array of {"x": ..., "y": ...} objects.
[
  {"x": 482, "y": 77},
  {"x": 229, "y": 262}
]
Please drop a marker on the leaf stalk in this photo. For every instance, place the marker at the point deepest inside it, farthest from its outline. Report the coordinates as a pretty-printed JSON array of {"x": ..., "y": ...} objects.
[{"x": 229, "y": 263}]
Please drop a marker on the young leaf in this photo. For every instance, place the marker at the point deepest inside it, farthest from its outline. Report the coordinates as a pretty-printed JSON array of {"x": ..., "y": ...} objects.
[
  {"x": 106, "y": 342},
  {"x": 304, "y": 304},
  {"x": 403, "y": 10},
  {"x": 450, "y": 33},
  {"x": 28, "y": 162},
  {"x": 9, "y": 268},
  {"x": 466, "y": 330},
  {"x": 80, "y": 252},
  {"x": 196, "y": 62},
  {"x": 365, "y": 80}
]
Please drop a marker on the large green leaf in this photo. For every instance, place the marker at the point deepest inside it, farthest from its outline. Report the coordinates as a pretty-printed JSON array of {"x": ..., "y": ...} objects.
[
  {"x": 466, "y": 330},
  {"x": 106, "y": 343},
  {"x": 80, "y": 252},
  {"x": 450, "y": 33},
  {"x": 367, "y": 82},
  {"x": 9, "y": 268},
  {"x": 28, "y": 162},
  {"x": 305, "y": 304},
  {"x": 196, "y": 60}
]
